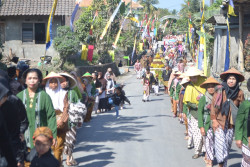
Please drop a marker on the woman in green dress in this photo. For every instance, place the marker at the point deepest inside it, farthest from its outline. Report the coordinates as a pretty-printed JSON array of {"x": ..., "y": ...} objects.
[
  {"x": 39, "y": 107},
  {"x": 242, "y": 129}
]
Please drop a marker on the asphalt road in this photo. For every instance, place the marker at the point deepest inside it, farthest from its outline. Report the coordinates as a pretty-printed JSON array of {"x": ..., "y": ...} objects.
[{"x": 146, "y": 135}]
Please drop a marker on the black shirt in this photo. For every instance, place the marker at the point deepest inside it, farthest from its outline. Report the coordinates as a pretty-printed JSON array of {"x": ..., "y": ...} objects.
[{"x": 46, "y": 160}]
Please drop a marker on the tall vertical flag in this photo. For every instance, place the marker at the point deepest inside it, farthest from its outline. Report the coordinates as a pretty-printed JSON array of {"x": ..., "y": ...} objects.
[
  {"x": 227, "y": 57},
  {"x": 202, "y": 58},
  {"x": 231, "y": 8},
  {"x": 49, "y": 26},
  {"x": 153, "y": 25},
  {"x": 111, "y": 20},
  {"x": 73, "y": 15},
  {"x": 230, "y": 12},
  {"x": 92, "y": 24},
  {"x": 165, "y": 26},
  {"x": 120, "y": 30},
  {"x": 133, "y": 49}
]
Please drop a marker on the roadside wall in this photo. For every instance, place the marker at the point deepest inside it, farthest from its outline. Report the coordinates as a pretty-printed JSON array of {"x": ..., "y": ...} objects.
[{"x": 99, "y": 68}]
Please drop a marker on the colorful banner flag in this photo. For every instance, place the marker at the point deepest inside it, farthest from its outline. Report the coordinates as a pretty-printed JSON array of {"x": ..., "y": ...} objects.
[
  {"x": 119, "y": 32},
  {"x": 73, "y": 16},
  {"x": 165, "y": 26},
  {"x": 111, "y": 20},
  {"x": 153, "y": 25},
  {"x": 84, "y": 52},
  {"x": 134, "y": 19},
  {"x": 231, "y": 8},
  {"x": 90, "y": 52},
  {"x": 92, "y": 24},
  {"x": 140, "y": 46},
  {"x": 227, "y": 57},
  {"x": 202, "y": 41},
  {"x": 49, "y": 26},
  {"x": 133, "y": 49}
]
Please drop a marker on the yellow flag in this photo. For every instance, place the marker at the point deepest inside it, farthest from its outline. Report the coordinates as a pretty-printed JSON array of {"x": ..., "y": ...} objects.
[
  {"x": 49, "y": 26},
  {"x": 117, "y": 38},
  {"x": 84, "y": 52},
  {"x": 134, "y": 19},
  {"x": 140, "y": 46}
]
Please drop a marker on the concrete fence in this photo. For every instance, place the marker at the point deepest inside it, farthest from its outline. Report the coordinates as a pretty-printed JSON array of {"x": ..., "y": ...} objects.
[{"x": 99, "y": 68}]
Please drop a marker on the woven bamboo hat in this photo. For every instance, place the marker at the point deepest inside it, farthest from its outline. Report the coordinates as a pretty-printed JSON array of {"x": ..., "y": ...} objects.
[
  {"x": 210, "y": 80},
  {"x": 232, "y": 71},
  {"x": 192, "y": 72},
  {"x": 52, "y": 74},
  {"x": 185, "y": 80},
  {"x": 72, "y": 81}
]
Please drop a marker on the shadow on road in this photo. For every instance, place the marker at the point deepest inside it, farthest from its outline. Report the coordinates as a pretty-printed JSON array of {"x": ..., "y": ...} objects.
[
  {"x": 101, "y": 156},
  {"x": 106, "y": 128}
]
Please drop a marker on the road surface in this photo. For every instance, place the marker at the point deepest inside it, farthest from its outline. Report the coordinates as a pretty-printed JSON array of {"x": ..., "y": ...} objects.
[{"x": 146, "y": 135}]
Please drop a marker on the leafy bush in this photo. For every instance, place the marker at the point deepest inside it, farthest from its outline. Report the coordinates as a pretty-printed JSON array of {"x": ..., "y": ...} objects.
[{"x": 66, "y": 43}]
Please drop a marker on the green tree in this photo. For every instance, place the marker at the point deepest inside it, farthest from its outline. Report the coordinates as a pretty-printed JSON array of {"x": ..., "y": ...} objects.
[
  {"x": 66, "y": 43},
  {"x": 149, "y": 7}
]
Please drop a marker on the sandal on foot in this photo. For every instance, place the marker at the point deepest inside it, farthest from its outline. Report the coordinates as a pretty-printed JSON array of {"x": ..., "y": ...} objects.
[
  {"x": 195, "y": 156},
  {"x": 71, "y": 163}
]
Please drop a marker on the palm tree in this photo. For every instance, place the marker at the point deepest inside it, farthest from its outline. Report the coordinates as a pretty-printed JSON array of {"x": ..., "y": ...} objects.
[{"x": 149, "y": 7}]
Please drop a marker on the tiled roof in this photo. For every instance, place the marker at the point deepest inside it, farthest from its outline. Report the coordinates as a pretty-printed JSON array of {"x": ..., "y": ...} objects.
[
  {"x": 36, "y": 7},
  {"x": 87, "y": 3}
]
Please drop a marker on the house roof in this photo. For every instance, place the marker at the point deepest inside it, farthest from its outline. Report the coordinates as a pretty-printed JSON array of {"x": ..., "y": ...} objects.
[
  {"x": 87, "y": 3},
  {"x": 222, "y": 20},
  {"x": 35, "y": 7}
]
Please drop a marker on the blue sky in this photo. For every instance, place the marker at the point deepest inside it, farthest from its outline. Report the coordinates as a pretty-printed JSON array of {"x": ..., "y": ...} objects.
[{"x": 173, "y": 4}]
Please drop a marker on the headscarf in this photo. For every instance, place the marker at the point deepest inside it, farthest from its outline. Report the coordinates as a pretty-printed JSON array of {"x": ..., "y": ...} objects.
[
  {"x": 231, "y": 93},
  {"x": 57, "y": 96}
]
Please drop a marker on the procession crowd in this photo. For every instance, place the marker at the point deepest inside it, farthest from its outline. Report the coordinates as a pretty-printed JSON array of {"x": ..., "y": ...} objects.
[
  {"x": 214, "y": 111},
  {"x": 40, "y": 115}
]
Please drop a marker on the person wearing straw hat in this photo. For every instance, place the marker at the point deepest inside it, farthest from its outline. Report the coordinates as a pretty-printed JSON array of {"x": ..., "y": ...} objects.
[
  {"x": 242, "y": 128},
  {"x": 183, "y": 106},
  {"x": 204, "y": 109},
  {"x": 60, "y": 102},
  {"x": 191, "y": 98},
  {"x": 91, "y": 93},
  {"x": 68, "y": 84},
  {"x": 38, "y": 105},
  {"x": 172, "y": 89},
  {"x": 226, "y": 101}
]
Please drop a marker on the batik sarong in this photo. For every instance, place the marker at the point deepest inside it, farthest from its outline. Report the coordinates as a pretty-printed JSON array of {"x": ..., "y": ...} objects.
[
  {"x": 222, "y": 142},
  {"x": 197, "y": 137},
  {"x": 246, "y": 156},
  {"x": 209, "y": 144}
]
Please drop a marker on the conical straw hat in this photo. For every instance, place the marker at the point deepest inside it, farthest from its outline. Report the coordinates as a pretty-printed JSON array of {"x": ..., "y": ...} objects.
[
  {"x": 185, "y": 80},
  {"x": 233, "y": 71},
  {"x": 52, "y": 74},
  {"x": 210, "y": 80},
  {"x": 192, "y": 71},
  {"x": 72, "y": 81}
]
